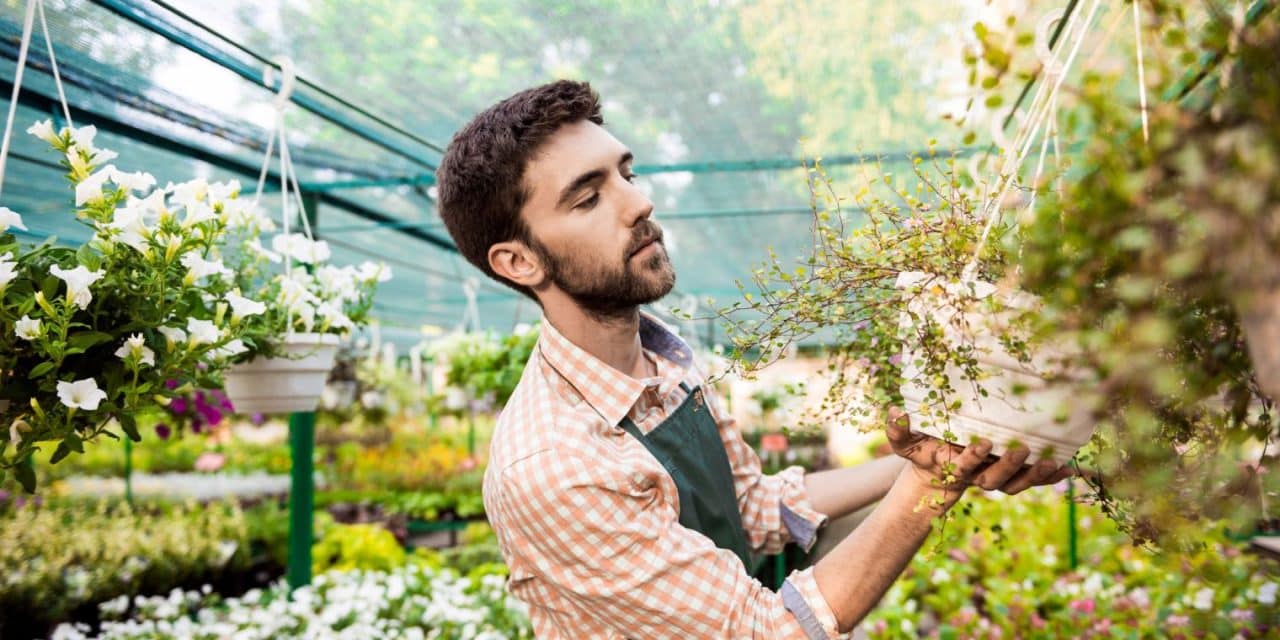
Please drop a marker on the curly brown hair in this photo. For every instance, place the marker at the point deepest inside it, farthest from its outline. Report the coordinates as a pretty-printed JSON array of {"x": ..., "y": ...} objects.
[{"x": 481, "y": 178}]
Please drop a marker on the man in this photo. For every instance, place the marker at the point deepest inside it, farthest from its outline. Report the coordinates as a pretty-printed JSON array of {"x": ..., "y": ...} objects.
[{"x": 624, "y": 500}]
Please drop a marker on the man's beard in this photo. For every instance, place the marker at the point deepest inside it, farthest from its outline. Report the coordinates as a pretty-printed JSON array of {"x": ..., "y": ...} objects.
[{"x": 609, "y": 291}]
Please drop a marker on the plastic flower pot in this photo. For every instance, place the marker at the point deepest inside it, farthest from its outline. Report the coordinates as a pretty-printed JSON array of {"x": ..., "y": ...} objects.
[
  {"x": 1022, "y": 402},
  {"x": 290, "y": 383}
]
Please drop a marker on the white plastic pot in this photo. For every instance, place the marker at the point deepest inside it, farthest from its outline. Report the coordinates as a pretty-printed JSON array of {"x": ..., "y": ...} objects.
[
  {"x": 284, "y": 384},
  {"x": 1021, "y": 403},
  {"x": 1259, "y": 311}
]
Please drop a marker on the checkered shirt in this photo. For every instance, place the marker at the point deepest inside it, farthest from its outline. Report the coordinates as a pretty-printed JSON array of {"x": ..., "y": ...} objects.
[{"x": 588, "y": 520}]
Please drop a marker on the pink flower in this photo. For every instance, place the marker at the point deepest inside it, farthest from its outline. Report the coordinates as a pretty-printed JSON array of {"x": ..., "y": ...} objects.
[
  {"x": 1102, "y": 626},
  {"x": 1083, "y": 606},
  {"x": 1036, "y": 621},
  {"x": 881, "y": 626},
  {"x": 210, "y": 461},
  {"x": 1177, "y": 621},
  {"x": 958, "y": 556},
  {"x": 1241, "y": 615}
]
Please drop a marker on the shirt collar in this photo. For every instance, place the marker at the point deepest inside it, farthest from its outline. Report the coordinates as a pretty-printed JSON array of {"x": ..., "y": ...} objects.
[{"x": 609, "y": 391}]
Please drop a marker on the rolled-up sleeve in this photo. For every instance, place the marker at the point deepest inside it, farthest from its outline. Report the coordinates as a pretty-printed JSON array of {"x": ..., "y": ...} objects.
[
  {"x": 775, "y": 508},
  {"x": 601, "y": 546}
]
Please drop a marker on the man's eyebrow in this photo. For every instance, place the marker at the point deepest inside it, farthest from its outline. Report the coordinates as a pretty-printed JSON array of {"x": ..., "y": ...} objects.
[{"x": 587, "y": 178}]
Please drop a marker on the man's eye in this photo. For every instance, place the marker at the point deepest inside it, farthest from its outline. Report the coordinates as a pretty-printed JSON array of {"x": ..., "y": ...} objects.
[
  {"x": 630, "y": 177},
  {"x": 589, "y": 202}
]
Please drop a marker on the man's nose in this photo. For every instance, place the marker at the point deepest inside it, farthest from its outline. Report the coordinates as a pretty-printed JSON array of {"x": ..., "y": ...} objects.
[{"x": 639, "y": 206}]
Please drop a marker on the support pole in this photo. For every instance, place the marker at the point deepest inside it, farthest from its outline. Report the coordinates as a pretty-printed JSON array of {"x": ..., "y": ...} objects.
[
  {"x": 302, "y": 439},
  {"x": 1072, "y": 554}
]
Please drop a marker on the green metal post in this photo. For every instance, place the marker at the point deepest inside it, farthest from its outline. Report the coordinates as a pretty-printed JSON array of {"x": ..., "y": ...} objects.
[
  {"x": 128, "y": 470},
  {"x": 302, "y": 440},
  {"x": 433, "y": 417},
  {"x": 1072, "y": 555}
]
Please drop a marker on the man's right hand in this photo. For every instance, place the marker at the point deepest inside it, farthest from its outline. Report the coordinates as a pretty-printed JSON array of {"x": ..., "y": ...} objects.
[{"x": 948, "y": 469}]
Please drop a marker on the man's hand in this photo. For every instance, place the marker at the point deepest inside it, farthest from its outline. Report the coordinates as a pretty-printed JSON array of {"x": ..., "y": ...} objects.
[{"x": 951, "y": 469}]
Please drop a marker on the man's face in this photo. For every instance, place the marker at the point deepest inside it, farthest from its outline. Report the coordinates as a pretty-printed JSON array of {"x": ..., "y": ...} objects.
[{"x": 590, "y": 226}]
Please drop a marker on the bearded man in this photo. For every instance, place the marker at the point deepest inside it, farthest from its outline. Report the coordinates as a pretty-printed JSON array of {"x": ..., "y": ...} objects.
[{"x": 625, "y": 502}]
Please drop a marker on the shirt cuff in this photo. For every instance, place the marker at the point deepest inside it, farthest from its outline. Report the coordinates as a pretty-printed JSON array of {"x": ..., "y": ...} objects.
[
  {"x": 800, "y": 595},
  {"x": 798, "y": 515}
]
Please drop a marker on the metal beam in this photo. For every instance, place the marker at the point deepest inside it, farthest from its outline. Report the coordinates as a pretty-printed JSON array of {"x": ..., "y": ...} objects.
[
  {"x": 425, "y": 179},
  {"x": 32, "y": 98},
  {"x": 132, "y": 11},
  {"x": 783, "y": 164}
]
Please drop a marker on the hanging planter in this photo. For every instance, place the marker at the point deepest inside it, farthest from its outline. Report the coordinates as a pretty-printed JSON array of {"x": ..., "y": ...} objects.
[
  {"x": 287, "y": 383},
  {"x": 1002, "y": 397}
]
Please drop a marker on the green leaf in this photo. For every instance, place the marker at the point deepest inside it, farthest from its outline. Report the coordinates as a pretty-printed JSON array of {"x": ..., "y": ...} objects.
[
  {"x": 74, "y": 442},
  {"x": 40, "y": 370},
  {"x": 25, "y": 472},
  {"x": 61, "y": 452},
  {"x": 130, "y": 426},
  {"x": 88, "y": 339}
]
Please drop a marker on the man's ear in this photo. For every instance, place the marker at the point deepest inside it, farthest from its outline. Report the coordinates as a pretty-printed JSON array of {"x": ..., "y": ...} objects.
[{"x": 514, "y": 261}]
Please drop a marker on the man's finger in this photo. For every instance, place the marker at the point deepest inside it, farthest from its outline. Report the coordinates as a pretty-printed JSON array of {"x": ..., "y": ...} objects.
[
  {"x": 1040, "y": 473},
  {"x": 899, "y": 428},
  {"x": 969, "y": 459},
  {"x": 1000, "y": 472}
]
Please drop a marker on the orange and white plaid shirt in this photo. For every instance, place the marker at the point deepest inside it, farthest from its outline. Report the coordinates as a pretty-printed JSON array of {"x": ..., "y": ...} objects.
[{"x": 588, "y": 520}]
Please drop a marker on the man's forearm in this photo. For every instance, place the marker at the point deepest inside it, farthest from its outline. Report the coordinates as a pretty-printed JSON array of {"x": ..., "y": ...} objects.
[
  {"x": 839, "y": 492},
  {"x": 855, "y": 575}
]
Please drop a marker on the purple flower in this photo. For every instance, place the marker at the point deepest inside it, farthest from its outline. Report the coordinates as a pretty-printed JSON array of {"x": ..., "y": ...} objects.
[
  {"x": 196, "y": 425},
  {"x": 171, "y": 384},
  {"x": 178, "y": 406},
  {"x": 163, "y": 431},
  {"x": 257, "y": 419}
]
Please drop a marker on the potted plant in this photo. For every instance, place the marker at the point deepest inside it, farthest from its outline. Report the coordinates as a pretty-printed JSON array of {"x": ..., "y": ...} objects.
[{"x": 90, "y": 334}]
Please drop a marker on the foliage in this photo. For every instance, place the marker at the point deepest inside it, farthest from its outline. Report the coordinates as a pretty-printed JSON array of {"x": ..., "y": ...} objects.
[
  {"x": 89, "y": 335},
  {"x": 1011, "y": 579},
  {"x": 356, "y": 546},
  {"x": 412, "y": 602},
  {"x": 62, "y": 555},
  {"x": 485, "y": 366}
]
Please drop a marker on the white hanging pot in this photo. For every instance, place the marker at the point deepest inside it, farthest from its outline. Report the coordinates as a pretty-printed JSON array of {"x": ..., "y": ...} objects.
[
  {"x": 1021, "y": 402},
  {"x": 290, "y": 383},
  {"x": 1259, "y": 311}
]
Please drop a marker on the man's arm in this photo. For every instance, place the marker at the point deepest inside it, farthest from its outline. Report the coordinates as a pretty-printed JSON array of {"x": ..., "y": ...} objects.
[{"x": 839, "y": 492}]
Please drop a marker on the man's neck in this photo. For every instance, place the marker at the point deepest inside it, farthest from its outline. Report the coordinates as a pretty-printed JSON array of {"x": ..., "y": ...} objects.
[{"x": 615, "y": 341}]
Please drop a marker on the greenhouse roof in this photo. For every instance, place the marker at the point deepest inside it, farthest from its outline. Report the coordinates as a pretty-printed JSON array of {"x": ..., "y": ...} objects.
[{"x": 720, "y": 101}]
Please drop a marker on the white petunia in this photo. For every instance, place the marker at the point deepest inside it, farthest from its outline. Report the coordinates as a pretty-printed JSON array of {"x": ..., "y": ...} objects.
[
  {"x": 1204, "y": 599},
  {"x": 10, "y": 218},
  {"x": 135, "y": 347},
  {"x": 90, "y": 189},
  {"x": 198, "y": 267},
  {"x": 202, "y": 331},
  {"x": 301, "y": 248},
  {"x": 8, "y": 270},
  {"x": 1267, "y": 593},
  {"x": 223, "y": 191},
  {"x": 255, "y": 246},
  {"x": 242, "y": 307},
  {"x": 198, "y": 212},
  {"x": 374, "y": 272},
  {"x": 129, "y": 221},
  {"x": 83, "y": 136},
  {"x": 190, "y": 192},
  {"x": 27, "y": 328},
  {"x": 43, "y": 129},
  {"x": 173, "y": 335},
  {"x": 333, "y": 313},
  {"x": 15, "y": 431},
  {"x": 136, "y": 181},
  {"x": 231, "y": 348},
  {"x": 338, "y": 282},
  {"x": 78, "y": 281},
  {"x": 81, "y": 394}
]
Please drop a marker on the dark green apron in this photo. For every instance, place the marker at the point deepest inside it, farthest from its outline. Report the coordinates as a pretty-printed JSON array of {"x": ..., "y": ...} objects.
[{"x": 688, "y": 445}]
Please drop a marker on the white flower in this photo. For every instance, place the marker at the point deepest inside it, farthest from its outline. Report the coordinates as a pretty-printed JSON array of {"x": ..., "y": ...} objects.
[
  {"x": 173, "y": 335},
  {"x": 27, "y": 328},
  {"x": 15, "y": 431},
  {"x": 188, "y": 193},
  {"x": 202, "y": 331},
  {"x": 137, "y": 181},
  {"x": 295, "y": 289},
  {"x": 78, "y": 281},
  {"x": 135, "y": 347},
  {"x": 374, "y": 272},
  {"x": 8, "y": 270},
  {"x": 1204, "y": 599},
  {"x": 304, "y": 313},
  {"x": 90, "y": 188},
  {"x": 231, "y": 348},
  {"x": 223, "y": 191},
  {"x": 242, "y": 306},
  {"x": 83, "y": 137},
  {"x": 1267, "y": 593},
  {"x": 43, "y": 129},
  {"x": 198, "y": 267},
  {"x": 198, "y": 212},
  {"x": 130, "y": 222},
  {"x": 332, "y": 311},
  {"x": 301, "y": 248},
  {"x": 9, "y": 218},
  {"x": 81, "y": 394}
]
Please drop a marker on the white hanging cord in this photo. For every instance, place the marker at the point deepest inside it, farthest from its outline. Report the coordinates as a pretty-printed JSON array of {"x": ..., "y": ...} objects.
[
  {"x": 27, "y": 25},
  {"x": 1142, "y": 82},
  {"x": 1040, "y": 112},
  {"x": 53, "y": 65},
  {"x": 471, "y": 315}
]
